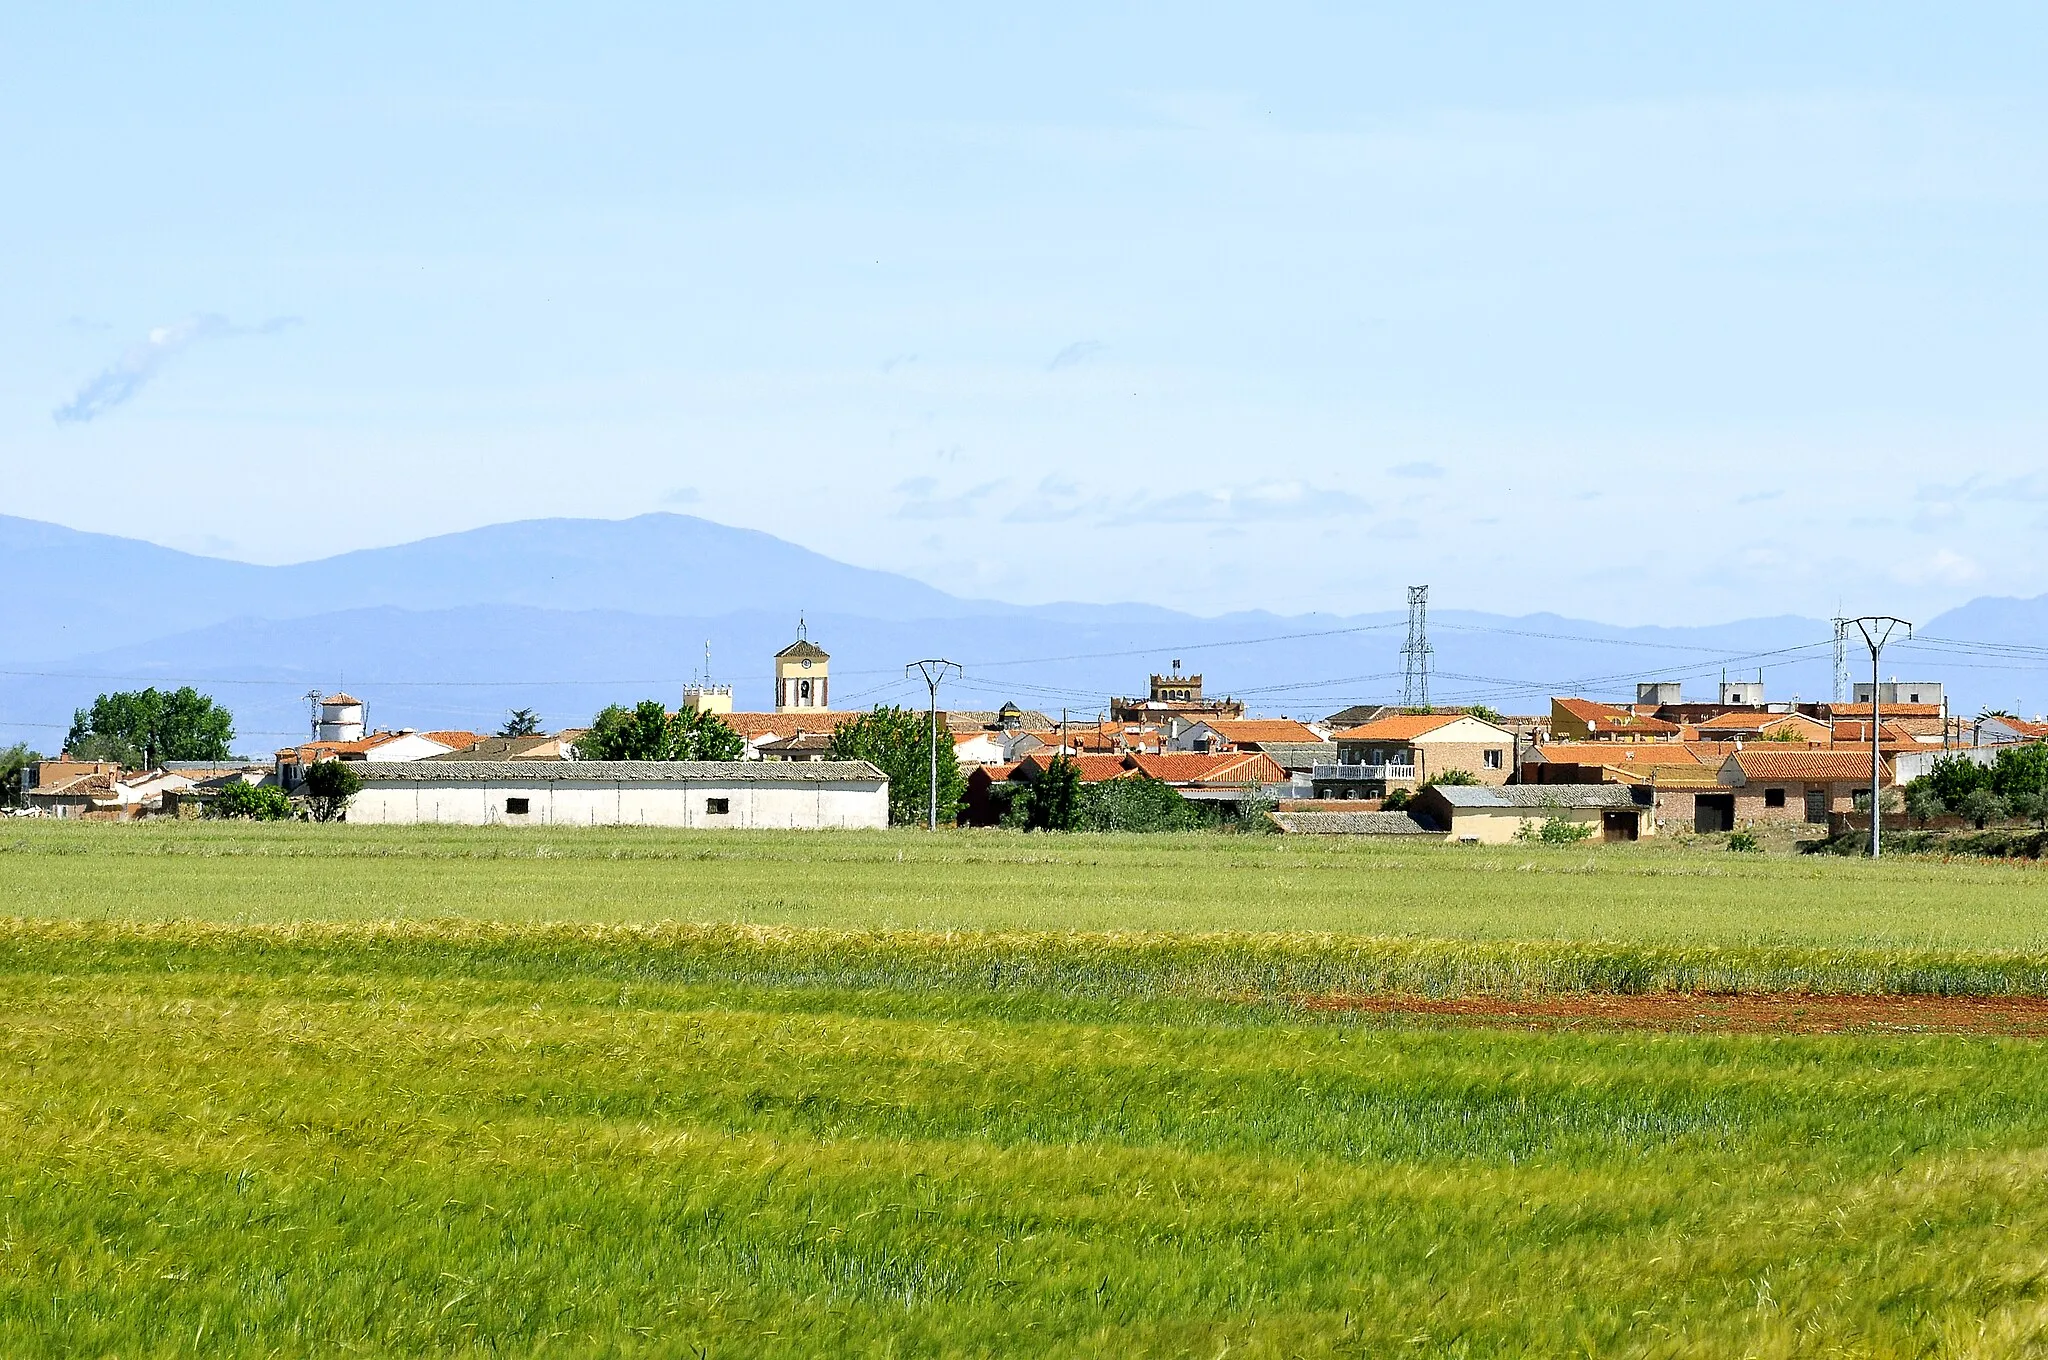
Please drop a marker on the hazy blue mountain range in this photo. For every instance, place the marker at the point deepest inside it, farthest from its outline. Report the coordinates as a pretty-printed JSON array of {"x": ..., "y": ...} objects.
[{"x": 566, "y": 615}]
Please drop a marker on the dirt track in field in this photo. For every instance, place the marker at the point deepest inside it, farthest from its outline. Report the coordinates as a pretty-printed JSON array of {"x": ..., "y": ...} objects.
[{"x": 1760, "y": 1014}]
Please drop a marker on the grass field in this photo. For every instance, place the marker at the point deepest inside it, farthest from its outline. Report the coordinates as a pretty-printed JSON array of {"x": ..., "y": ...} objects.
[
  {"x": 1001, "y": 881},
  {"x": 307, "y": 1091}
]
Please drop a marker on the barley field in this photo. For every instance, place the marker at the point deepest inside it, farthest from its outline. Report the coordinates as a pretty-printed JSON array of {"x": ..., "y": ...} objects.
[{"x": 308, "y": 1091}]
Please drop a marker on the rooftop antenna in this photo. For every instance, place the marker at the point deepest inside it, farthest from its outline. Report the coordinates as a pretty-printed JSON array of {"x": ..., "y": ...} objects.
[
  {"x": 313, "y": 698},
  {"x": 1415, "y": 682}
]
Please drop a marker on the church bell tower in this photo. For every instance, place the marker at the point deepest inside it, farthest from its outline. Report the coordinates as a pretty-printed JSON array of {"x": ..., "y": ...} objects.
[{"x": 801, "y": 682}]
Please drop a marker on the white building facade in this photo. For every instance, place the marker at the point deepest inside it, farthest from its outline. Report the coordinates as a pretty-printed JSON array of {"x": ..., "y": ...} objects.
[{"x": 822, "y": 795}]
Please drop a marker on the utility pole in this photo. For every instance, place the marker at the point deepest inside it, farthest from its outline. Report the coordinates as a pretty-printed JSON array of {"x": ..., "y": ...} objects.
[
  {"x": 933, "y": 669},
  {"x": 1877, "y": 630},
  {"x": 1841, "y": 660},
  {"x": 1415, "y": 681}
]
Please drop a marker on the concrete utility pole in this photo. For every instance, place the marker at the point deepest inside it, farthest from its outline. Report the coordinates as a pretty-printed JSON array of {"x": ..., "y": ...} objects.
[
  {"x": 1877, "y": 630},
  {"x": 933, "y": 669}
]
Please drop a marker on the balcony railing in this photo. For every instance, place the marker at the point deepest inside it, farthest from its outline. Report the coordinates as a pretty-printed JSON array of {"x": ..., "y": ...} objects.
[{"x": 1365, "y": 772}]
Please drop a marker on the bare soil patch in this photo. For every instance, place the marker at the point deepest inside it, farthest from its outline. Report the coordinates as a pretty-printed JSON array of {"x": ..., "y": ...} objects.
[{"x": 1778, "y": 1013}]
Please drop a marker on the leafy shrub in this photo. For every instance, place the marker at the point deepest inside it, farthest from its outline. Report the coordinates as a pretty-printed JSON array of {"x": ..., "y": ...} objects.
[
  {"x": 1453, "y": 778},
  {"x": 1554, "y": 830},
  {"x": 257, "y": 802},
  {"x": 1396, "y": 800},
  {"x": 1141, "y": 804},
  {"x": 1744, "y": 842}
]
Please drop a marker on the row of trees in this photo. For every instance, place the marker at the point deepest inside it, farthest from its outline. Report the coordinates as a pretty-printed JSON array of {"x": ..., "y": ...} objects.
[
  {"x": 144, "y": 728},
  {"x": 898, "y": 741},
  {"x": 647, "y": 731},
  {"x": 2014, "y": 785},
  {"x": 1058, "y": 801}
]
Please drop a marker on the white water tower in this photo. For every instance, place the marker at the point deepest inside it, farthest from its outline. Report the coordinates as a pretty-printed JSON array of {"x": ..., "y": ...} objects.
[{"x": 341, "y": 719}]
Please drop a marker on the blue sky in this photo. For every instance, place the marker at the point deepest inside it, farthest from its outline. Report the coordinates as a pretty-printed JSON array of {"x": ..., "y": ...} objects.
[{"x": 1642, "y": 318}]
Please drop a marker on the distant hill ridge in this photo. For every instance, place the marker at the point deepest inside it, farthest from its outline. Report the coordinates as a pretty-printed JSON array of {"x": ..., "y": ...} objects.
[{"x": 566, "y": 614}]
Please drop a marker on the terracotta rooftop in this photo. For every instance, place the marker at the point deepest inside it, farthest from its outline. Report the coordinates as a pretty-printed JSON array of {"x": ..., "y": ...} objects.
[
  {"x": 1236, "y": 767},
  {"x": 1634, "y": 753},
  {"x": 1757, "y": 763},
  {"x": 1092, "y": 769},
  {"x": 751, "y": 725},
  {"x": 1239, "y": 730},
  {"x": 1400, "y": 727}
]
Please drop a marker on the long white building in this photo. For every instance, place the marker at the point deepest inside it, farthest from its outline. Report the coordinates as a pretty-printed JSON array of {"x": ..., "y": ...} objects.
[{"x": 689, "y": 793}]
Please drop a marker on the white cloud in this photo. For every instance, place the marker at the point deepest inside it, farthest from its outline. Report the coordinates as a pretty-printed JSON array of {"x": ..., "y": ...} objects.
[
  {"x": 1944, "y": 567},
  {"x": 126, "y": 376}
]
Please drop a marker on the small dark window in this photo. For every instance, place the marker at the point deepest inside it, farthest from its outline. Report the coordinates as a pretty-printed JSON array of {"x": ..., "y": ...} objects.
[
  {"x": 717, "y": 807},
  {"x": 1774, "y": 798},
  {"x": 517, "y": 807}
]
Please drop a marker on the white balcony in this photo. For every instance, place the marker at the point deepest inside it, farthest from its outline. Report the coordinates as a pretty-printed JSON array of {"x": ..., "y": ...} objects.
[{"x": 1380, "y": 772}]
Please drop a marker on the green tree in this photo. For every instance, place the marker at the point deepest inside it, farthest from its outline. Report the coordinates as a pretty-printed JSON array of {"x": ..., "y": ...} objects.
[
  {"x": 14, "y": 763},
  {"x": 647, "y": 731},
  {"x": 706, "y": 736},
  {"x": 898, "y": 742},
  {"x": 1452, "y": 778},
  {"x": 1923, "y": 804},
  {"x": 96, "y": 746},
  {"x": 155, "y": 726},
  {"x": 2020, "y": 770},
  {"x": 1138, "y": 804},
  {"x": 520, "y": 722},
  {"x": 1981, "y": 805},
  {"x": 256, "y": 802},
  {"x": 1954, "y": 778},
  {"x": 329, "y": 786},
  {"x": 1052, "y": 802},
  {"x": 1486, "y": 713}
]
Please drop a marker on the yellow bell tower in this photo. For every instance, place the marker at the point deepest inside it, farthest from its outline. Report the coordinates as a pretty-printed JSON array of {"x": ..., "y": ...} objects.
[{"x": 800, "y": 675}]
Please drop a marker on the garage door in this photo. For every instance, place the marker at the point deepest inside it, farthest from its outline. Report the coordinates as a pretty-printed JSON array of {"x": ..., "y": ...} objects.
[{"x": 1713, "y": 812}]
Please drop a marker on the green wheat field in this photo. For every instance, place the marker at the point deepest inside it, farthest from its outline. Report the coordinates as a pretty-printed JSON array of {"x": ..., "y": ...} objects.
[{"x": 302, "y": 1090}]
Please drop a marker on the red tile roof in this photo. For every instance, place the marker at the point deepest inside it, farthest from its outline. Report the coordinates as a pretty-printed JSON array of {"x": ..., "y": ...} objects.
[
  {"x": 1757, "y": 763},
  {"x": 1635, "y": 752},
  {"x": 751, "y": 725},
  {"x": 1238, "y": 730},
  {"x": 1400, "y": 727},
  {"x": 1236, "y": 767},
  {"x": 1092, "y": 769}
]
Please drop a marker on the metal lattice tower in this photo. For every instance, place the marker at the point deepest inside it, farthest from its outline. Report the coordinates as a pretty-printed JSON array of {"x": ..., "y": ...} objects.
[
  {"x": 1415, "y": 684},
  {"x": 1841, "y": 660}
]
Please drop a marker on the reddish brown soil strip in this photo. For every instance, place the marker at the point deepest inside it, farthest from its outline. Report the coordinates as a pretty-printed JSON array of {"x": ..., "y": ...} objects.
[{"x": 1780, "y": 1013}]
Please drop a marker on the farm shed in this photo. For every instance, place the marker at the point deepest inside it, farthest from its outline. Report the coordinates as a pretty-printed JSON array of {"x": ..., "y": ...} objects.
[
  {"x": 1492, "y": 816},
  {"x": 786, "y": 795}
]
